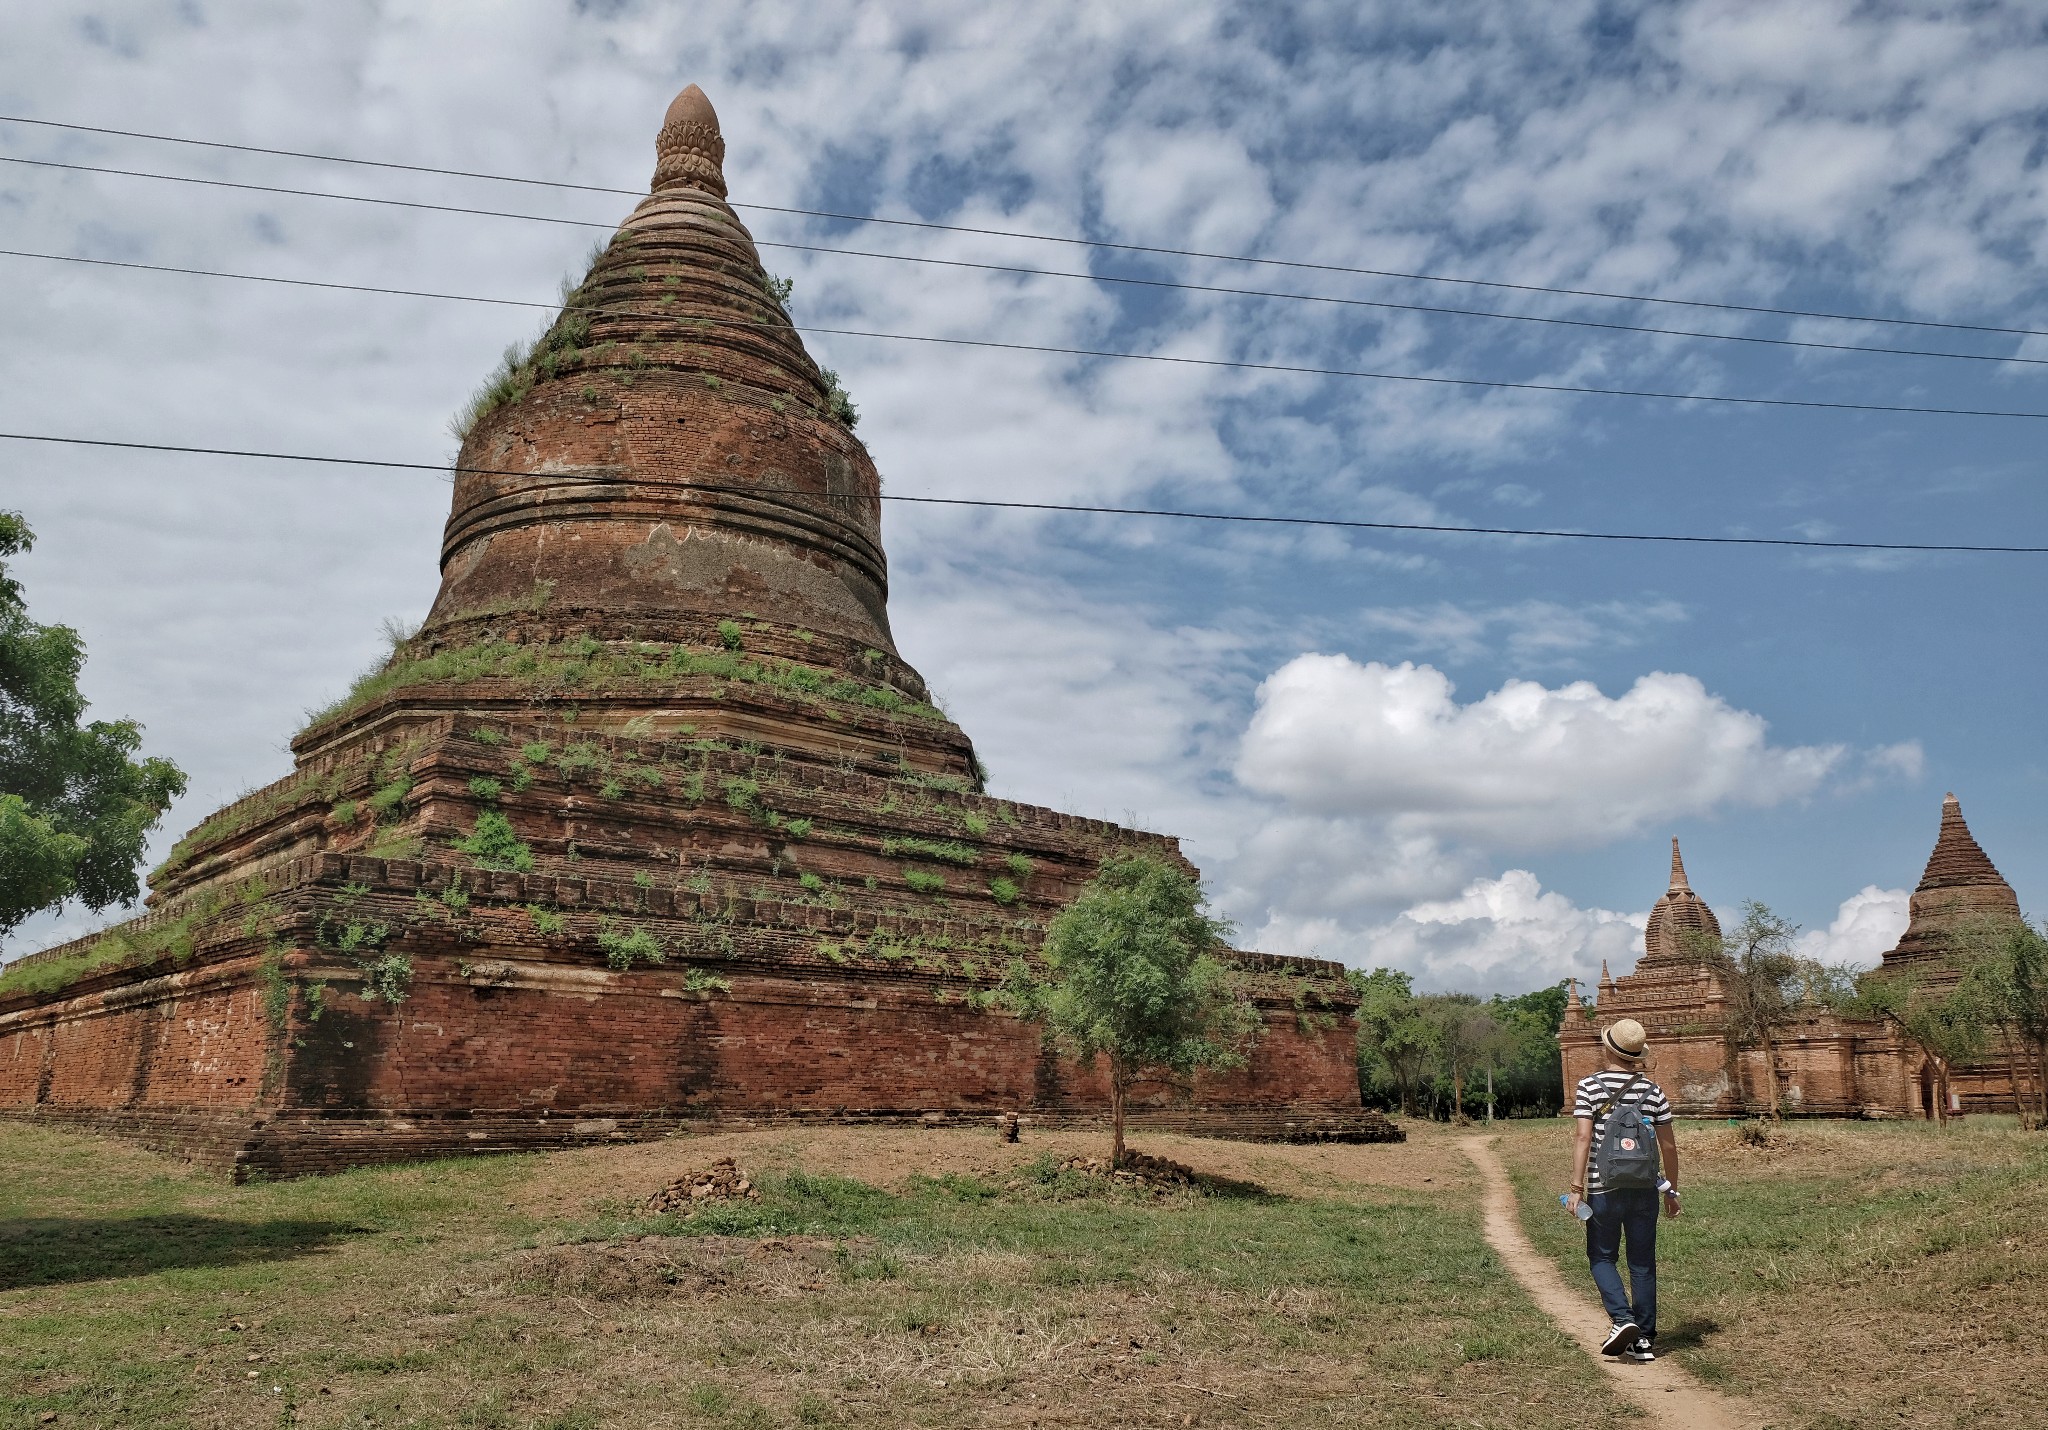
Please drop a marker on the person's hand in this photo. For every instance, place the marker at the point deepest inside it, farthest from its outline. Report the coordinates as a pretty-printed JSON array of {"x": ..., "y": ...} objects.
[
  {"x": 1571, "y": 1202},
  {"x": 1671, "y": 1206}
]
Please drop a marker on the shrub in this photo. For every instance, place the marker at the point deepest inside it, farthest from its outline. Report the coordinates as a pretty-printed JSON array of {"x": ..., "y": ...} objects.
[
  {"x": 390, "y": 796},
  {"x": 546, "y": 922},
  {"x": 798, "y": 829},
  {"x": 1003, "y": 891},
  {"x": 975, "y": 825},
  {"x": 810, "y": 881},
  {"x": 923, "y": 881},
  {"x": 344, "y": 814},
  {"x": 496, "y": 845},
  {"x": 741, "y": 793},
  {"x": 1019, "y": 866},
  {"x": 729, "y": 634},
  {"x": 838, "y": 402},
  {"x": 486, "y": 789},
  {"x": 623, "y": 949},
  {"x": 536, "y": 752}
]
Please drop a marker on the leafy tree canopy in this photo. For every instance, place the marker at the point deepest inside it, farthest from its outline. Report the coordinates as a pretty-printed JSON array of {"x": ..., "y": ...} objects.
[
  {"x": 75, "y": 803},
  {"x": 1131, "y": 972}
]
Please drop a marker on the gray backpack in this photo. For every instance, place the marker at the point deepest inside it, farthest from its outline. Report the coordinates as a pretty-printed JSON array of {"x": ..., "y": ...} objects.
[{"x": 1626, "y": 1155}]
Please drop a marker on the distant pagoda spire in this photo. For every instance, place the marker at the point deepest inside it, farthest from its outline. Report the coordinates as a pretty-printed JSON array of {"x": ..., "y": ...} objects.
[{"x": 1679, "y": 913}]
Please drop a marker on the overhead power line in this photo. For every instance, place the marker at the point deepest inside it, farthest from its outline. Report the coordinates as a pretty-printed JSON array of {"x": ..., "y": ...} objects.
[
  {"x": 1105, "y": 244},
  {"x": 1235, "y": 517},
  {"x": 1235, "y": 364}
]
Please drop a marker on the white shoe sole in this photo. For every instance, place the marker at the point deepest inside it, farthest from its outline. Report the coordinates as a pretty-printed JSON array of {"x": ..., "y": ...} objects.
[{"x": 1620, "y": 1339}]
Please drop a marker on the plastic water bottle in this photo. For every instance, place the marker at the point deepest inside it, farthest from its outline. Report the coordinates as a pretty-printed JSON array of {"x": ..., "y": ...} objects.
[{"x": 1584, "y": 1213}]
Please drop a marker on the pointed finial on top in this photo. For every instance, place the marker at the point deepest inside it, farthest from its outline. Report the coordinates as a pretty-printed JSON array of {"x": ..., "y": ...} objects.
[
  {"x": 690, "y": 151},
  {"x": 1606, "y": 978},
  {"x": 1950, "y": 799},
  {"x": 1678, "y": 870},
  {"x": 1571, "y": 997}
]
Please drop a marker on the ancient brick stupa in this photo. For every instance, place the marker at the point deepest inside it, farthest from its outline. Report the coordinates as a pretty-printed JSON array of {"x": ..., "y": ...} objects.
[
  {"x": 649, "y": 826},
  {"x": 1960, "y": 885}
]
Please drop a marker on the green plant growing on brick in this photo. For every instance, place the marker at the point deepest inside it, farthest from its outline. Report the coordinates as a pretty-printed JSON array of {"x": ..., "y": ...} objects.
[
  {"x": 390, "y": 796},
  {"x": 625, "y": 947},
  {"x": 454, "y": 899},
  {"x": 344, "y": 814},
  {"x": 582, "y": 758},
  {"x": 947, "y": 850},
  {"x": 522, "y": 775},
  {"x": 778, "y": 288},
  {"x": 486, "y": 789},
  {"x": 697, "y": 981},
  {"x": 496, "y": 845},
  {"x": 975, "y": 825},
  {"x": 484, "y": 735},
  {"x": 838, "y": 402},
  {"x": 924, "y": 881},
  {"x": 811, "y": 882},
  {"x": 729, "y": 635},
  {"x": 546, "y": 922},
  {"x": 387, "y": 979},
  {"x": 536, "y": 752},
  {"x": 741, "y": 793},
  {"x": 612, "y": 789},
  {"x": 642, "y": 879},
  {"x": 798, "y": 829},
  {"x": 1003, "y": 891},
  {"x": 1020, "y": 867},
  {"x": 832, "y": 951}
]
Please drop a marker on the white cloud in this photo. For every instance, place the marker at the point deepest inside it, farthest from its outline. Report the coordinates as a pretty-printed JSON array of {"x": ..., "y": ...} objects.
[
  {"x": 1867, "y": 925},
  {"x": 1524, "y": 767},
  {"x": 1498, "y": 935}
]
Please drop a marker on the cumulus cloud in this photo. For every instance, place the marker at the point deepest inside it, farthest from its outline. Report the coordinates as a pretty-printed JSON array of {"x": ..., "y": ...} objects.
[
  {"x": 1504, "y": 934},
  {"x": 1524, "y": 767},
  {"x": 1866, "y": 926}
]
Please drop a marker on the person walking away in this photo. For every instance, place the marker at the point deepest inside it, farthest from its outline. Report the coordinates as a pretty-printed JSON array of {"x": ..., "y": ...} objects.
[{"x": 1624, "y": 1133}]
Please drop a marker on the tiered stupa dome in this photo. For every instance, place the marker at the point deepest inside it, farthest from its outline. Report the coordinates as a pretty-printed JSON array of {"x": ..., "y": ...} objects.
[
  {"x": 666, "y": 470},
  {"x": 1678, "y": 913},
  {"x": 1960, "y": 884}
]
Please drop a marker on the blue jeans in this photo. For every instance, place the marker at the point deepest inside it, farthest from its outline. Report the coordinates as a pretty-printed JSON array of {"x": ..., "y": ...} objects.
[{"x": 1630, "y": 1212}]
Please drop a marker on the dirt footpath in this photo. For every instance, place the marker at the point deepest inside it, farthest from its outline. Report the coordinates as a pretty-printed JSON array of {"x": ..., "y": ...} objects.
[{"x": 1671, "y": 1398}]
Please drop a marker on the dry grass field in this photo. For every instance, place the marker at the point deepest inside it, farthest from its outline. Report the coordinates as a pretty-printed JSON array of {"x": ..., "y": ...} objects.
[
  {"x": 1849, "y": 1274},
  {"x": 884, "y": 1278}
]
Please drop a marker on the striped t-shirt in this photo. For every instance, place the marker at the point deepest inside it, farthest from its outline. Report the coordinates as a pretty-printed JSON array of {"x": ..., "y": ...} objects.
[{"x": 1596, "y": 1091}]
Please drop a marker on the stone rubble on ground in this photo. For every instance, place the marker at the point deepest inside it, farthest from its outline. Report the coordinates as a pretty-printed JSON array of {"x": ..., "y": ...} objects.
[{"x": 722, "y": 1181}]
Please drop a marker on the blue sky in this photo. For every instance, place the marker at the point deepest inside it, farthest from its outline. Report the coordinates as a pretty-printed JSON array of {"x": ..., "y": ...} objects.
[{"x": 1461, "y": 755}]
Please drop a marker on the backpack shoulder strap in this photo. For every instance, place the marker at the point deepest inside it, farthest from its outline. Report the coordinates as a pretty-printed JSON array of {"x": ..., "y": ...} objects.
[{"x": 1615, "y": 1101}]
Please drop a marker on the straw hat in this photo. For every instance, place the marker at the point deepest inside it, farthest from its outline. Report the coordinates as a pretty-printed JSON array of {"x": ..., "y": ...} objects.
[{"x": 1625, "y": 1038}]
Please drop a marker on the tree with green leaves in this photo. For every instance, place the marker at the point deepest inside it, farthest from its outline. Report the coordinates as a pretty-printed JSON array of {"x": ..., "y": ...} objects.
[
  {"x": 75, "y": 804},
  {"x": 1946, "y": 1022},
  {"x": 1464, "y": 1036},
  {"x": 1394, "y": 1041},
  {"x": 1131, "y": 974},
  {"x": 2004, "y": 962},
  {"x": 1763, "y": 980}
]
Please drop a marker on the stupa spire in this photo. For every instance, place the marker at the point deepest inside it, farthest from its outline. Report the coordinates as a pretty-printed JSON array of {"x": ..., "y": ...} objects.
[
  {"x": 1678, "y": 914},
  {"x": 690, "y": 151}
]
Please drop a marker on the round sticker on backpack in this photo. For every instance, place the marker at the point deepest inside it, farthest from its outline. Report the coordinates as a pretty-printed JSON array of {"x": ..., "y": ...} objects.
[{"x": 1628, "y": 1144}]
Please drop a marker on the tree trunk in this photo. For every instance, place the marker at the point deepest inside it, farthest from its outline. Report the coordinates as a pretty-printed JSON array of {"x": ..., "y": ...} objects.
[
  {"x": 1489, "y": 1093},
  {"x": 2022, "y": 1097},
  {"x": 1457, "y": 1093},
  {"x": 1940, "y": 1091},
  {"x": 1118, "y": 1077},
  {"x": 1771, "y": 1076}
]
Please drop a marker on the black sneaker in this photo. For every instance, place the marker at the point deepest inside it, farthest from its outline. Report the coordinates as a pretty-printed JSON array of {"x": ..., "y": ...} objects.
[
  {"x": 1621, "y": 1338},
  {"x": 1642, "y": 1352}
]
